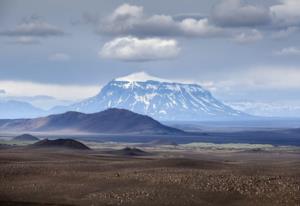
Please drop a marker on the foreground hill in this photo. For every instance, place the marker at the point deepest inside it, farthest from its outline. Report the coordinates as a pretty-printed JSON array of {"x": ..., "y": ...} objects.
[
  {"x": 158, "y": 98},
  {"x": 60, "y": 143},
  {"x": 111, "y": 121}
]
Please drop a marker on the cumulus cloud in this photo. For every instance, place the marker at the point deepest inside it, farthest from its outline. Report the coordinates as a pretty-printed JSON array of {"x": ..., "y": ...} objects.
[
  {"x": 289, "y": 51},
  {"x": 287, "y": 13},
  {"x": 202, "y": 27},
  {"x": 248, "y": 36},
  {"x": 135, "y": 49},
  {"x": 131, "y": 20},
  {"x": 33, "y": 27},
  {"x": 232, "y": 13},
  {"x": 127, "y": 11},
  {"x": 59, "y": 57}
]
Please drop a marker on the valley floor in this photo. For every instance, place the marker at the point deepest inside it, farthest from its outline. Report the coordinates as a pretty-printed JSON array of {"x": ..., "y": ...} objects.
[{"x": 51, "y": 177}]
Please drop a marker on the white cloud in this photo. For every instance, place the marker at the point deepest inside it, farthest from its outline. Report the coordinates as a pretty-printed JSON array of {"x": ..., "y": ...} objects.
[
  {"x": 289, "y": 51},
  {"x": 59, "y": 57},
  {"x": 64, "y": 92},
  {"x": 287, "y": 13},
  {"x": 25, "y": 40},
  {"x": 135, "y": 49},
  {"x": 248, "y": 36},
  {"x": 202, "y": 27},
  {"x": 127, "y": 11}
]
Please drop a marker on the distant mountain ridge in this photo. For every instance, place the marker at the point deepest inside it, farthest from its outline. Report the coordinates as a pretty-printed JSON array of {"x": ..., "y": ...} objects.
[
  {"x": 11, "y": 109},
  {"x": 158, "y": 98},
  {"x": 111, "y": 121}
]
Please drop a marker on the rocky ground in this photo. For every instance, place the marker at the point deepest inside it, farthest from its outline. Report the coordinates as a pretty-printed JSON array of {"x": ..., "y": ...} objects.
[{"x": 45, "y": 177}]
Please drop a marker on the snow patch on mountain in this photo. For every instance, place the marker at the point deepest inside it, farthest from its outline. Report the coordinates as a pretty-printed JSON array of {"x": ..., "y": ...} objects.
[{"x": 140, "y": 77}]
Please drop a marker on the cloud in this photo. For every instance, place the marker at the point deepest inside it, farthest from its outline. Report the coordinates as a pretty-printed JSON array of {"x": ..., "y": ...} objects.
[
  {"x": 33, "y": 27},
  {"x": 248, "y": 36},
  {"x": 25, "y": 40},
  {"x": 202, "y": 27},
  {"x": 287, "y": 13},
  {"x": 59, "y": 57},
  {"x": 266, "y": 77},
  {"x": 65, "y": 92},
  {"x": 2, "y": 92},
  {"x": 135, "y": 49},
  {"x": 278, "y": 108},
  {"x": 285, "y": 32},
  {"x": 232, "y": 13},
  {"x": 289, "y": 51},
  {"x": 131, "y": 20},
  {"x": 126, "y": 11}
]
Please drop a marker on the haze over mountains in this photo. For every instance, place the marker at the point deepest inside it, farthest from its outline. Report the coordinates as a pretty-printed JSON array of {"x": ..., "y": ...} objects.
[
  {"x": 141, "y": 93},
  {"x": 18, "y": 109}
]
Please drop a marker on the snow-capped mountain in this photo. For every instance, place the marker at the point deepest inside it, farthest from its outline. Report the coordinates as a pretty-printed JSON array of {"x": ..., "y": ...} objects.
[{"x": 158, "y": 98}]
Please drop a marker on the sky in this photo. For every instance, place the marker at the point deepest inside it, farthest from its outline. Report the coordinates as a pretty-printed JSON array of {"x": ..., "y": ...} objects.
[{"x": 247, "y": 53}]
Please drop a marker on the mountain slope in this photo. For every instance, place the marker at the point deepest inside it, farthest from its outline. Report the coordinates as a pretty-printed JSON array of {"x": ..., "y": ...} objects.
[
  {"x": 158, "y": 98},
  {"x": 110, "y": 121}
]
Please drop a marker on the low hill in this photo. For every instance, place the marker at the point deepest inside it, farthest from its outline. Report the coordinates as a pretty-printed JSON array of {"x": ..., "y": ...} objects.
[
  {"x": 129, "y": 152},
  {"x": 60, "y": 143},
  {"x": 110, "y": 121},
  {"x": 25, "y": 137},
  {"x": 162, "y": 142}
]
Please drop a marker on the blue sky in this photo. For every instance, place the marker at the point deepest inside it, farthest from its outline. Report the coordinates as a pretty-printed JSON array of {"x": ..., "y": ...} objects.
[{"x": 242, "y": 51}]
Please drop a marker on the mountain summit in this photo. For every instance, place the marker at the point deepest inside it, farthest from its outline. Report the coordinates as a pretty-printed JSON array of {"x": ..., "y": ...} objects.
[{"x": 159, "y": 98}]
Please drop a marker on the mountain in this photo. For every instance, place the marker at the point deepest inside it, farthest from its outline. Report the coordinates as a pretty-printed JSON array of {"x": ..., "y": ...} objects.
[
  {"x": 158, "y": 98},
  {"x": 11, "y": 109},
  {"x": 60, "y": 143},
  {"x": 111, "y": 121}
]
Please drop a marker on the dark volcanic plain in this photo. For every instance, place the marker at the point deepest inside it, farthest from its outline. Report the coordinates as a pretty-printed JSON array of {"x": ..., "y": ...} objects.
[{"x": 93, "y": 177}]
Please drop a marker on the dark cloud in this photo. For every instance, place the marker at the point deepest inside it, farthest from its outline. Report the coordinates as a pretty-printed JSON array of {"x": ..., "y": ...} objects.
[
  {"x": 232, "y": 13},
  {"x": 226, "y": 19},
  {"x": 130, "y": 20}
]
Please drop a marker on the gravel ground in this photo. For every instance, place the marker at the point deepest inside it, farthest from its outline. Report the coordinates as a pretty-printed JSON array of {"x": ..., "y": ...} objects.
[{"x": 43, "y": 177}]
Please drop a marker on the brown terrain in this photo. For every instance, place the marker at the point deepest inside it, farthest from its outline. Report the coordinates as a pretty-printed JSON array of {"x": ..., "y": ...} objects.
[{"x": 96, "y": 177}]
